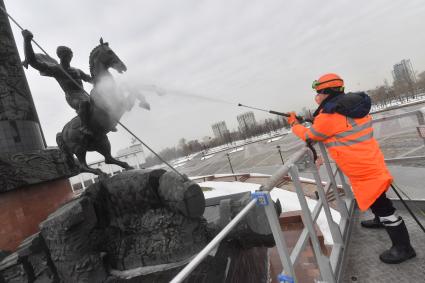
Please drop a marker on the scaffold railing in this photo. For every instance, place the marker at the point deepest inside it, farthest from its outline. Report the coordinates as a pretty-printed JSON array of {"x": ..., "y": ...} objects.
[
  {"x": 329, "y": 266},
  {"x": 416, "y": 119}
]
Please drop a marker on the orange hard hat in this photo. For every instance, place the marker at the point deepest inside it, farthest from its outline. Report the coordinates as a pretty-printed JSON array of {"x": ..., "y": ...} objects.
[{"x": 328, "y": 81}]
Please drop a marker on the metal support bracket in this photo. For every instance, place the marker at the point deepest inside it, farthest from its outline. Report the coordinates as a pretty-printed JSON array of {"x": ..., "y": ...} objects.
[
  {"x": 261, "y": 197},
  {"x": 282, "y": 278}
]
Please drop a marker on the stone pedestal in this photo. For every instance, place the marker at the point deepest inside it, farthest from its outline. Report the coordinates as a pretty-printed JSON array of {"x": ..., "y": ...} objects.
[
  {"x": 24, "y": 208},
  {"x": 128, "y": 228},
  {"x": 33, "y": 184},
  {"x": 33, "y": 179}
]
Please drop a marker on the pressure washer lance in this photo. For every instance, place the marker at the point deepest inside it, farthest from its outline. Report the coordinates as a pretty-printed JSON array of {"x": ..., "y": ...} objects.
[
  {"x": 299, "y": 118},
  {"x": 308, "y": 142}
]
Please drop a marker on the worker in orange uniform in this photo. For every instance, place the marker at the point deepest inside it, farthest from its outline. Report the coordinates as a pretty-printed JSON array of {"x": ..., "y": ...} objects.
[{"x": 342, "y": 122}]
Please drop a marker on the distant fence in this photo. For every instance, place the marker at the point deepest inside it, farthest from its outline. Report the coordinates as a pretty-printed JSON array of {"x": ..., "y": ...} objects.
[
  {"x": 414, "y": 119},
  {"x": 402, "y": 101}
]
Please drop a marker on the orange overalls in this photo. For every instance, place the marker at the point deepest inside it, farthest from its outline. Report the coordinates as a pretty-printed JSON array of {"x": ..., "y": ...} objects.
[{"x": 351, "y": 144}]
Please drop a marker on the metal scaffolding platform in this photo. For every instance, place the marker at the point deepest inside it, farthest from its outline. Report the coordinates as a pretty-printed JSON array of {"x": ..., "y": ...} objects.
[{"x": 362, "y": 263}]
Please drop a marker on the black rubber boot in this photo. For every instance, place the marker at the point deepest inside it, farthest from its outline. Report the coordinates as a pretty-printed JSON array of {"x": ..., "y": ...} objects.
[
  {"x": 372, "y": 223},
  {"x": 401, "y": 249}
]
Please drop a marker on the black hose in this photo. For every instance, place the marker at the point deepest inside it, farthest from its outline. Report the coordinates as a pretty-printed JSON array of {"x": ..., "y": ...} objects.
[
  {"x": 408, "y": 209},
  {"x": 310, "y": 145}
]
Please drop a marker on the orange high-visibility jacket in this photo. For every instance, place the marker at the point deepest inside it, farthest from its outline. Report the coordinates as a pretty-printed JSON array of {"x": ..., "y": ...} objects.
[{"x": 351, "y": 144}]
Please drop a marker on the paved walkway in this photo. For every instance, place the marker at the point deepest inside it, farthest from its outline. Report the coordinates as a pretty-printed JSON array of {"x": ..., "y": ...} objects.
[
  {"x": 411, "y": 180},
  {"x": 363, "y": 264}
]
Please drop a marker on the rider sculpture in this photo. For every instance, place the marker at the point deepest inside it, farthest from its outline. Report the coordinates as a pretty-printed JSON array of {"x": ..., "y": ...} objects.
[
  {"x": 73, "y": 88},
  {"x": 98, "y": 113}
]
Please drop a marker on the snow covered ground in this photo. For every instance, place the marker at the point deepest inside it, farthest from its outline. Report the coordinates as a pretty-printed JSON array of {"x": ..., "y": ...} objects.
[
  {"x": 274, "y": 139},
  {"x": 179, "y": 164},
  {"x": 275, "y": 136},
  {"x": 184, "y": 159},
  {"x": 207, "y": 156},
  {"x": 288, "y": 200},
  {"x": 237, "y": 149}
]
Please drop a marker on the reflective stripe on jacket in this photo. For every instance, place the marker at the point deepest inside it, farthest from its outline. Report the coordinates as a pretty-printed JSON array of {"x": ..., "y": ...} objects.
[{"x": 351, "y": 144}]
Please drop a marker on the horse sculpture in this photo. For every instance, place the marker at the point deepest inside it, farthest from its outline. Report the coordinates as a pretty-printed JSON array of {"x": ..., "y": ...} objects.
[{"x": 108, "y": 102}]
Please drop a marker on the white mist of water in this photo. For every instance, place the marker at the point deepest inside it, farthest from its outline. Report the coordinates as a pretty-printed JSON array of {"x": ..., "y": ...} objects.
[
  {"x": 136, "y": 85},
  {"x": 117, "y": 97}
]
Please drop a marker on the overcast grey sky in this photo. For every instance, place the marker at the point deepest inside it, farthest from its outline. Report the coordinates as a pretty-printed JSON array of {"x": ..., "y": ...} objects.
[{"x": 260, "y": 53}]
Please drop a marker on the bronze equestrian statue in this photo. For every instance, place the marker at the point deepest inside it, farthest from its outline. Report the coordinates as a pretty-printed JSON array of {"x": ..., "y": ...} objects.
[{"x": 99, "y": 113}]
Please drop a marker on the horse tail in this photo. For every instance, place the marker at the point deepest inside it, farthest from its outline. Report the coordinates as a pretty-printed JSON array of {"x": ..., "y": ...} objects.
[{"x": 65, "y": 150}]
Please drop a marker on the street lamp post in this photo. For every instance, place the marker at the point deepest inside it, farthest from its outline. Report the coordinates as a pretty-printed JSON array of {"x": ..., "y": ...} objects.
[
  {"x": 231, "y": 167},
  {"x": 280, "y": 153}
]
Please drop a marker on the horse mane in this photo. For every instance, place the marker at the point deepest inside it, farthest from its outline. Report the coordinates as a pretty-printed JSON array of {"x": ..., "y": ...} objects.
[{"x": 91, "y": 58}]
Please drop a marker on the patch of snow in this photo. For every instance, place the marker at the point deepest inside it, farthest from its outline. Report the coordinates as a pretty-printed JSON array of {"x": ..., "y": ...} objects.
[
  {"x": 207, "y": 156},
  {"x": 184, "y": 159},
  {"x": 237, "y": 149},
  {"x": 158, "y": 166},
  {"x": 274, "y": 139},
  {"x": 288, "y": 200},
  {"x": 223, "y": 175},
  {"x": 258, "y": 175}
]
